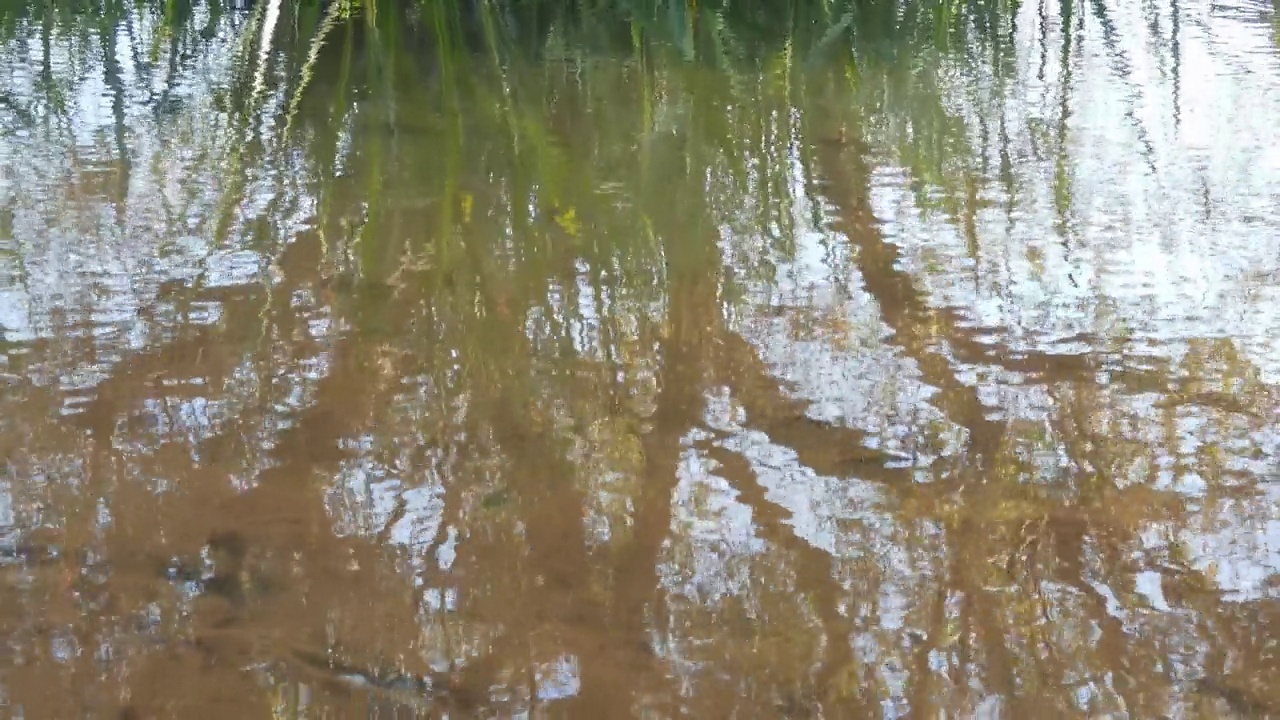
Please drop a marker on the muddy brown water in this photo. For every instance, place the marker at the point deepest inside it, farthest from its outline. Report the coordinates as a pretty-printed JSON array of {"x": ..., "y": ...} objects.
[{"x": 363, "y": 360}]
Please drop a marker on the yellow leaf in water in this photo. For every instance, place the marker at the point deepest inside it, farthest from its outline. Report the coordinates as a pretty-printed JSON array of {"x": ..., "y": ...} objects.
[{"x": 568, "y": 220}]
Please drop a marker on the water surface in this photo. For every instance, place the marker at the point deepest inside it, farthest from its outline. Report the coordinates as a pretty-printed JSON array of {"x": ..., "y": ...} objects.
[{"x": 461, "y": 360}]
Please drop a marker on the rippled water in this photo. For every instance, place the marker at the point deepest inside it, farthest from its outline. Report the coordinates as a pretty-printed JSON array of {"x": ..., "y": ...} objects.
[{"x": 882, "y": 359}]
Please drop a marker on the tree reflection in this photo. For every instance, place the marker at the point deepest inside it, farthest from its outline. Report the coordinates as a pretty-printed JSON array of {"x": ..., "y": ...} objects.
[{"x": 475, "y": 359}]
